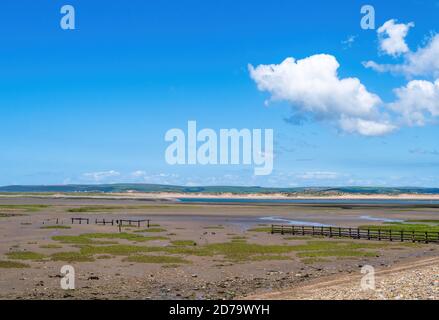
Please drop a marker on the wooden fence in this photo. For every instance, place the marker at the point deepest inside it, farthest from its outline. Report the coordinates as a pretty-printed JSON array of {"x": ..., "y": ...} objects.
[
  {"x": 121, "y": 222},
  {"x": 130, "y": 222},
  {"x": 356, "y": 233},
  {"x": 79, "y": 220}
]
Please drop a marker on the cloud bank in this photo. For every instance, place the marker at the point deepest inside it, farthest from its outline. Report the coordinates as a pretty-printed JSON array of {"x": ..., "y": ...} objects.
[
  {"x": 314, "y": 89},
  {"x": 312, "y": 86}
]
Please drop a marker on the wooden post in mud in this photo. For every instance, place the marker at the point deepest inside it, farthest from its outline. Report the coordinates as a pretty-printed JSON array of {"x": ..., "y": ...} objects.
[
  {"x": 147, "y": 223},
  {"x": 390, "y": 235},
  {"x": 379, "y": 234},
  {"x": 330, "y": 232},
  {"x": 426, "y": 237},
  {"x": 413, "y": 236},
  {"x": 303, "y": 230},
  {"x": 402, "y": 235},
  {"x": 368, "y": 234}
]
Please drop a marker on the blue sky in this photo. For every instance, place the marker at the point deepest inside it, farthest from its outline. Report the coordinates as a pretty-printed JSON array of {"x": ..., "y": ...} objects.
[{"x": 92, "y": 105}]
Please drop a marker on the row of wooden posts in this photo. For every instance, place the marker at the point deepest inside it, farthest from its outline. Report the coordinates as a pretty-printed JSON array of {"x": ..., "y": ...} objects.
[
  {"x": 357, "y": 233},
  {"x": 119, "y": 222}
]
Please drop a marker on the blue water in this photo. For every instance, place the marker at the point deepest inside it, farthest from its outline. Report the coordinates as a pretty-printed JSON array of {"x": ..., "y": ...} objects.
[
  {"x": 309, "y": 201},
  {"x": 278, "y": 220},
  {"x": 369, "y": 218}
]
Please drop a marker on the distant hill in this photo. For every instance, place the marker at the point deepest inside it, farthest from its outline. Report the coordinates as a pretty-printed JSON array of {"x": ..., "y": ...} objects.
[{"x": 120, "y": 188}]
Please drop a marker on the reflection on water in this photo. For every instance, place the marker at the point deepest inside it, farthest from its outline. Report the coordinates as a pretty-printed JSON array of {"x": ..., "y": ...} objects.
[
  {"x": 293, "y": 222},
  {"x": 369, "y": 218}
]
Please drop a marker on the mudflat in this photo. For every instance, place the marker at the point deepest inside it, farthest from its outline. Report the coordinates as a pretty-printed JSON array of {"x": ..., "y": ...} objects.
[{"x": 190, "y": 250}]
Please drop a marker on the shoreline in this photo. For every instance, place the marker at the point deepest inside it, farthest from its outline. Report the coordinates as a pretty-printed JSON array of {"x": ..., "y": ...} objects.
[{"x": 254, "y": 196}]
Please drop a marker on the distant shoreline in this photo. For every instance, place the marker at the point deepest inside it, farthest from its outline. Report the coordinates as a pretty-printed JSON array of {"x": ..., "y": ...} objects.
[{"x": 256, "y": 196}]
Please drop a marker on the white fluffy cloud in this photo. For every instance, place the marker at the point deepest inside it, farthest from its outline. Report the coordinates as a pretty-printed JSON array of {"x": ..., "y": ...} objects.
[
  {"x": 423, "y": 62},
  {"x": 100, "y": 176},
  {"x": 392, "y": 37},
  {"x": 318, "y": 175},
  {"x": 366, "y": 127},
  {"x": 312, "y": 86},
  {"x": 417, "y": 102}
]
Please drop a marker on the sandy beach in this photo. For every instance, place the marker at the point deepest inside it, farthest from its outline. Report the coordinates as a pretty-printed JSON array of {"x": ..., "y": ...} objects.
[
  {"x": 271, "y": 196},
  {"x": 190, "y": 251}
]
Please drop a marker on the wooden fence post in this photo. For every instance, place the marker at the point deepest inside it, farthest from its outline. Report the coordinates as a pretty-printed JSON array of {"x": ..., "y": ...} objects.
[{"x": 330, "y": 232}]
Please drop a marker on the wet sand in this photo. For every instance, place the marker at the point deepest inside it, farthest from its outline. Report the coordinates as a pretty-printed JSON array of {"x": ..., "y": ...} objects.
[{"x": 205, "y": 277}]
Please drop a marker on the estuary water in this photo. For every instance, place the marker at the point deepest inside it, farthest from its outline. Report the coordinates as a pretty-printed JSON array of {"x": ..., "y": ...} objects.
[{"x": 311, "y": 201}]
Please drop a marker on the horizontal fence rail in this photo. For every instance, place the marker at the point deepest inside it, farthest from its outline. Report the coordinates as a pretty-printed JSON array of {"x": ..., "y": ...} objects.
[
  {"x": 356, "y": 233},
  {"x": 121, "y": 222}
]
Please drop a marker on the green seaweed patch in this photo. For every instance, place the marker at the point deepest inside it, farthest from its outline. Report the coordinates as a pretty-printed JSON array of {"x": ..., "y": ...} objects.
[
  {"x": 117, "y": 250},
  {"x": 90, "y": 238},
  {"x": 270, "y": 257},
  {"x": 156, "y": 259},
  {"x": 298, "y": 238},
  {"x": 71, "y": 257},
  {"x": 314, "y": 260},
  {"x": 433, "y": 221},
  {"x": 402, "y": 226},
  {"x": 50, "y": 246},
  {"x": 56, "y": 227},
  {"x": 182, "y": 243},
  {"x": 12, "y": 265},
  {"x": 81, "y": 239},
  {"x": 25, "y": 255},
  {"x": 214, "y": 227},
  {"x": 260, "y": 229},
  {"x": 123, "y": 236},
  {"x": 23, "y": 207},
  {"x": 151, "y": 230},
  {"x": 238, "y": 251},
  {"x": 337, "y": 253}
]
